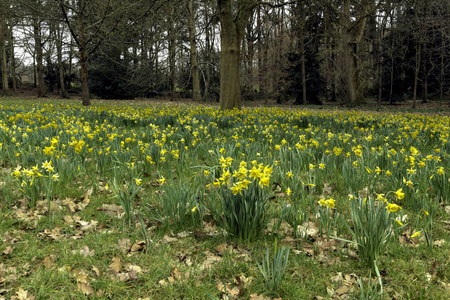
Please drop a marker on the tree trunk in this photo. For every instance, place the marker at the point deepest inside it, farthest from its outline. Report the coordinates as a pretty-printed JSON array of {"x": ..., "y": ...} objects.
[
  {"x": 84, "y": 78},
  {"x": 39, "y": 56},
  {"x": 172, "y": 54},
  {"x": 416, "y": 72},
  {"x": 4, "y": 65},
  {"x": 230, "y": 89},
  {"x": 232, "y": 28},
  {"x": 13, "y": 60},
  {"x": 62, "y": 87},
  {"x": 194, "y": 63},
  {"x": 347, "y": 48},
  {"x": 351, "y": 35},
  {"x": 302, "y": 56},
  {"x": 261, "y": 85},
  {"x": 85, "y": 100}
]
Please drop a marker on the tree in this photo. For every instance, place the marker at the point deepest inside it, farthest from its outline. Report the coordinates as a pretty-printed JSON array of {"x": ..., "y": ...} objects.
[
  {"x": 3, "y": 39},
  {"x": 90, "y": 23},
  {"x": 193, "y": 49}
]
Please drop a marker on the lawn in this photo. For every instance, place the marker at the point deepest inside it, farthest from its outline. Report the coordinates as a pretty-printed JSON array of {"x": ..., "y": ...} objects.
[{"x": 145, "y": 200}]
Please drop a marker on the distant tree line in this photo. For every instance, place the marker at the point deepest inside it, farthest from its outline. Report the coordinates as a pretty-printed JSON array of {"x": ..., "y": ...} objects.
[{"x": 308, "y": 51}]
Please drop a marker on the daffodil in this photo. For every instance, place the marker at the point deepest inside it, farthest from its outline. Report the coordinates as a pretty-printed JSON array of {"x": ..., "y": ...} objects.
[
  {"x": 392, "y": 207},
  {"x": 399, "y": 194},
  {"x": 330, "y": 203},
  {"x": 162, "y": 180},
  {"x": 416, "y": 234}
]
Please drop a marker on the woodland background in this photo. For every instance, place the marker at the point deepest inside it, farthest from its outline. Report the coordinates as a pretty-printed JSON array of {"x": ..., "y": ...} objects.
[{"x": 305, "y": 51}]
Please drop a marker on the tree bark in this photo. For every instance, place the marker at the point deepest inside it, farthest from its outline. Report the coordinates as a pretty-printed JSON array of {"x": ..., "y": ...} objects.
[
  {"x": 172, "y": 54},
  {"x": 39, "y": 56},
  {"x": 62, "y": 87},
  {"x": 193, "y": 43},
  {"x": 83, "y": 56},
  {"x": 13, "y": 60},
  {"x": 232, "y": 28},
  {"x": 351, "y": 35},
  {"x": 4, "y": 65}
]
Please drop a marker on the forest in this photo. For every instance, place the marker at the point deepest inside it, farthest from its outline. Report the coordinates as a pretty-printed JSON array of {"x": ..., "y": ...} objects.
[{"x": 303, "y": 51}]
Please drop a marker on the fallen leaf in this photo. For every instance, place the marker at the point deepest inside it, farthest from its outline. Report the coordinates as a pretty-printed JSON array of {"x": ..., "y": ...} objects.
[
  {"x": 112, "y": 210},
  {"x": 8, "y": 250},
  {"x": 228, "y": 289},
  {"x": 222, "y": 248},
  {"x": 124, "y": 245},
  {"x": 116, "y": 265},
  {"x": 96, "y": 271},
  {"x": 309, "y": 229},
  {"x": 49, "y": 261},
  {"x": 255, "y": 296},
  {"x": 69, "y": 204},
  {"x": 138, "y": 246},
  {"x": 84, "y": 251},
  {"x": 88, "y": 226},
  {"x": 341, "y": 290},
  {"x": 71, "y": 219},
  {"x": 167, "y": 239},
  {"x": 85, "y": 288},
  {"x": 183, "y": 234},
  {"x": 439, "y": 243},
  {"x": 23, "y": 295}
]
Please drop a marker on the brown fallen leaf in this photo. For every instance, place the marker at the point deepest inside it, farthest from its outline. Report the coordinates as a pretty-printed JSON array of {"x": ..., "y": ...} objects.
[
  {"x": 167, "y": 239},
  {"x": 85, "y": 288},
  {"x": 116, "y": 265},
  {"x": 8, "y": 250},
  {"x": 228, "y": 289},
  {"x": 138, "y": 246},
  {"x": 68, "y": 219},
  {"x": 255, "y": 296},
  {"x": 49, "y": 261},
  {"x": 83, "y": 204},
  {"x": 112, "y": 210},
  {"x": 124, "y": 245},
  {"x": 88, "y": 226},
  {"x": 69, "y": 204},
  {"x": 309, "y": 229},
  {"x": 341, "y": 290},
  {"x": 84, "y": 251},
  {"x": 223, "y": 248},
  {"x": 183, "y": 234},
  {"x": 96, "y": 271},
  {"x": 22, "y": 295}
]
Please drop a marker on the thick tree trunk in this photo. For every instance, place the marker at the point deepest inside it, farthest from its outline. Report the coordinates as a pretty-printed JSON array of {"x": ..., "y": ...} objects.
[
  {"x": 232, "y": 28},
  {"x": 85, "y": 100},
  {"x": 84, "y": 78},
  {"x": 194, "y": 63},
  {"x": 352, "y": 33},
  {"x": 230, "y": 89},
  {"x": 347, "y": 48}
]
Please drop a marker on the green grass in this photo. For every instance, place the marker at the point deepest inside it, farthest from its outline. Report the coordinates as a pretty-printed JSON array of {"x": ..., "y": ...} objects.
[{"x": 190, "y": 257}]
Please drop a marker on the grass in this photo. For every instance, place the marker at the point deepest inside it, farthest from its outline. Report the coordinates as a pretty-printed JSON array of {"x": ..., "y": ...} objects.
[{"x": 88, "y": 246}]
